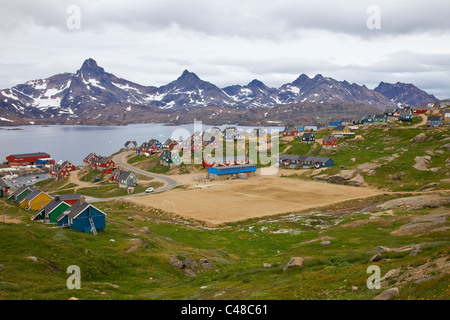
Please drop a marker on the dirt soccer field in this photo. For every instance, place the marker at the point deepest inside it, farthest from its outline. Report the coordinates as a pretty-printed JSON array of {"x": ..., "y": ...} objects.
[{"x": 231, "y": 201}]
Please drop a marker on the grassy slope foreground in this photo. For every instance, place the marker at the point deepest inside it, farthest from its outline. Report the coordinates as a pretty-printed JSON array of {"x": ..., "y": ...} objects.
[{"x": 156, "y": 256}]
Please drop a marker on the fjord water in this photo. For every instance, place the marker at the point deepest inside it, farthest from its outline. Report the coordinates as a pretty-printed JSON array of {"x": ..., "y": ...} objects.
[{"x": 73, "y": 143}]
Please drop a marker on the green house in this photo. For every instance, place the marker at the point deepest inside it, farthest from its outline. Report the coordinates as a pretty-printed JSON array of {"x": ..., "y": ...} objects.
[
  {"x": 308, "y": 137},
  {"x": 20, "y": 194},
  {"x": 168, "y": 158},
  {"x": 380, "y": 118},
  {"x": 51, "y": 211}
]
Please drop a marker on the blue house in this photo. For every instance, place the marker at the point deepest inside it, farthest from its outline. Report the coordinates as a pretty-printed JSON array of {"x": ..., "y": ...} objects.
[
  {"x": 368, "y": 119},
  {"x": 405, "y": 115},
  {"x": 434, "y": 121},
  {"x": 84, "y": 217},
  {"x": 335, "y": 123}
]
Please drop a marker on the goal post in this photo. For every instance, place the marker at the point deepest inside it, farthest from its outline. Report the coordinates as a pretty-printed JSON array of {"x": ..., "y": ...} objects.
[{"x": 168, "y": 205}]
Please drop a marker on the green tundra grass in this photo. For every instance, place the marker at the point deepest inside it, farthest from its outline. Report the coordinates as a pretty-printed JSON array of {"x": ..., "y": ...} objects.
[{"x": 238, "y": 252}]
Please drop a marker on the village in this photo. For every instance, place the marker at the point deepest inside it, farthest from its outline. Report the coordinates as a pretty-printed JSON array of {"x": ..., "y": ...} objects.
[{"x": 74, "y": 211}]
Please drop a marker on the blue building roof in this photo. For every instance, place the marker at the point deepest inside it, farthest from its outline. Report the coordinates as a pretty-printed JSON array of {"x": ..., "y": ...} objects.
[{"x": 232, "y": 169}]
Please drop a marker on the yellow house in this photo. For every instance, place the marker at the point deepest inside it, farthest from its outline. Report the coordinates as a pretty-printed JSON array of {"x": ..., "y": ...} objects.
[
  {"x": 36, "y": 200},
  {"x": 341, "y": 130}
]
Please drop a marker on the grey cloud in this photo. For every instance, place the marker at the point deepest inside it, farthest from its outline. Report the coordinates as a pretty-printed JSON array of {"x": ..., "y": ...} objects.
[{"x": 250, "y": 18}]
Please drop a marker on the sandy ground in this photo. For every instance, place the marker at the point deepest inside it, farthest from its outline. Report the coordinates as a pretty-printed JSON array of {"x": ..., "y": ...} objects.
[{"x": 235, "y": 200}]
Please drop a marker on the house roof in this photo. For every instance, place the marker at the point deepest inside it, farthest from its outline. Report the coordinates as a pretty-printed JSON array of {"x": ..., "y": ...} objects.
[
  {"x": 134, "y": 143},
  {"x": 292, "y": 157},
  {"x": 124, "y": 175},
  {"x": 65, "y": 197},
  {"x": 168, "y": 142},
  {"x": 89, "y": 156},
  {"x": 303, "y": 158},
  {"x": 33, "y": 195},
  {"x": 103, "y": 159},
  {"x": 317, "y": 159},
  {"x": 434, "y": 118},
  {"x": 20, "y": 190},
  {"x": 3, "y": 183},
  {"x": 340, "y": 128},
  {"x": 379, "y": 116},
  {"x": 405, "y": 113},
  {"x": 76, "y": 210},
  {"x": 35, "y": 154},
  {"x": 328, "y": 138},
  {"x": 52, "y": 205},
  {"x": 308, "y": 135}
]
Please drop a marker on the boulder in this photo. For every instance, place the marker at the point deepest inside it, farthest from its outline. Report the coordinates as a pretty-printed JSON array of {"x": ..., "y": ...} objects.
[
  {"x": 419, "y": 138},
  {"x": 421, "y": 163},
  {"x": 294, "y": 262},
  {"x": 446, "y": 146},
  {"x": 354, "y": 288},
  {"x": 146, "y": 230},
  {"x": 325, "y": 243},
  {"x": 267, "y": 265},
  {"x": 189, "y": 273},
  {"x": 415, "y": 251},
  {"x": 376, "y": 258},
  {"x": 417, "y": 202},
  {"x": 430, "y": 185},
  {"x": 389, "y": 274},
  {"x": 32, "y": 258},
  {"x": 177, "y": 264},
  {"x": 204, "y": 263},
  {"x": 358, "y": 180},
  {"x": 397, "y": 176},
  {"x": 387, "y": 294}
]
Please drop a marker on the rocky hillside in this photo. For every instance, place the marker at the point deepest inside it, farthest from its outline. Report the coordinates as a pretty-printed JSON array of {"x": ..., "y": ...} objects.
[{"x": 405, "y": 94}]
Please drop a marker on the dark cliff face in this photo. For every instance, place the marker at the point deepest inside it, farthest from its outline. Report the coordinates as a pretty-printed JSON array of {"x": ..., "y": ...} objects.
[{"x": 405, "y": 94}]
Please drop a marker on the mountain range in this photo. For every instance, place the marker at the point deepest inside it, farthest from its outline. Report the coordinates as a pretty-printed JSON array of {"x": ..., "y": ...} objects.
[{"x": 94, "y": 96}]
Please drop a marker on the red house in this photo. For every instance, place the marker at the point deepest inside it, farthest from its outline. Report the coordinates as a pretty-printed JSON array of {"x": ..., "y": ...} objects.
[
  {"x": 104, "y": 164},
  {"x": 169, "y": 144},
  {"x": 419, "y": 111},
  {"x": 62, "y": 170},
  {"x": 70, "y": 199},
  {"x": 329, "y": 142},
  {"x": 88, "y": 159},
  {"x": 25, "y": 159},
  {"x": 191, "y": 145},
  {"x": 290, "y": 131}
]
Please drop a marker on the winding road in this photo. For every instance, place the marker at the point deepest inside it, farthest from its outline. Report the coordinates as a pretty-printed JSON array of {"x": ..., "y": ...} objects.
[{"x": 120, "y": 160}]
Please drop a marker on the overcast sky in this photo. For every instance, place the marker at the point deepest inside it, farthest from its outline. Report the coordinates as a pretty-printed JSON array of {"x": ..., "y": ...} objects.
[{"x": 230, "y": 41}]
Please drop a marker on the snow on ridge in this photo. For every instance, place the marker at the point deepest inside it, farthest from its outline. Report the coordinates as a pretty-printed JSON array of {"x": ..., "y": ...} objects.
[
  {"x": 95, "y": 83},
  {"x": 126, "y": 87},
  {"x": 9, "y": 95},
  {"x": 4, "y": 119}
]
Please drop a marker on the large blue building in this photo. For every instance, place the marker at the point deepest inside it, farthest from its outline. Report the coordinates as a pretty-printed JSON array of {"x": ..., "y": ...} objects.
[{"x": 231, "y": 171}]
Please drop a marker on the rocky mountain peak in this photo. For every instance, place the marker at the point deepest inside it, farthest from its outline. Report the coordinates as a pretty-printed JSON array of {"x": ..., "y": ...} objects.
[{"x": 91, "y": 68}]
